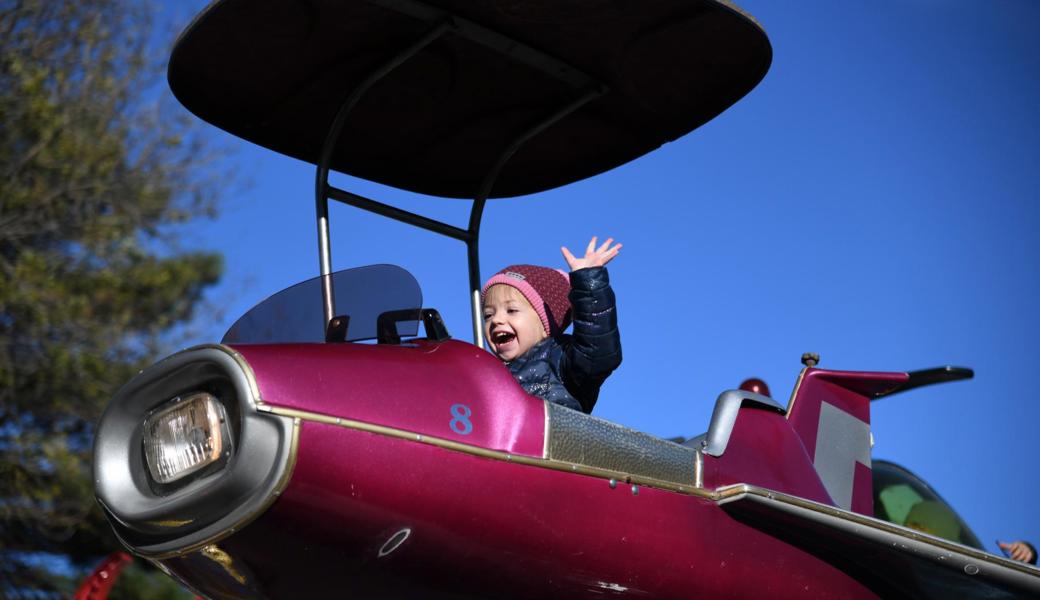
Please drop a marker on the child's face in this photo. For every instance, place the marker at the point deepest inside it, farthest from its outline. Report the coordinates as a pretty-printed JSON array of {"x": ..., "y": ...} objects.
[{"x": 511, "y": 326}]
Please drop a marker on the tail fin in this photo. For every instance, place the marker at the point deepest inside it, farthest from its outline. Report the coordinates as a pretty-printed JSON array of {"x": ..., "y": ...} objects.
[{"x": 830, "y": 411}]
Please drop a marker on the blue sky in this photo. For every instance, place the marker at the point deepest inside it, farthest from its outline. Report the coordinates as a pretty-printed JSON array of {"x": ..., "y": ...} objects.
[{"x": 875, "y": 199}]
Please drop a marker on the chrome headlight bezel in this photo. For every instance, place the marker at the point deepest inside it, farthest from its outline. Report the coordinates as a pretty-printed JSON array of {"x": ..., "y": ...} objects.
[{"x": 157, "y": 519}]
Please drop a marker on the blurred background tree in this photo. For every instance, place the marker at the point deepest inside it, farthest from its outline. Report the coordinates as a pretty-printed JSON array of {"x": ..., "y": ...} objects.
[{"x": 98, "y": 168}]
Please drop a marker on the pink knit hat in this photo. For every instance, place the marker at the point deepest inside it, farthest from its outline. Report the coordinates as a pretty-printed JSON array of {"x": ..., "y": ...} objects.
[{"x": 546, "y": 289}]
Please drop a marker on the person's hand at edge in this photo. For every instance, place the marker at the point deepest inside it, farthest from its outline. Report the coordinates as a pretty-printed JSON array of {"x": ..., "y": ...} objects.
[{"x": 1019, "y": 551}]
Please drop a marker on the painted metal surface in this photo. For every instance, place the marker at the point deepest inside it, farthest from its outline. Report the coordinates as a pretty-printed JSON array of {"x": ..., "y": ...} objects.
[
  {"x": 396, "y": 516},
  {"x": 481, "y": 528},
  {"x": 763, "y": 450},
  {"x": 99, "y": 583},
  {"x": 451, "y": 390},
  {"x": 423, "y": 470},
  {"x": 830, "y": 411},
  {"x": 925, "y": 566},
  {"x": 724, "y": 416}
]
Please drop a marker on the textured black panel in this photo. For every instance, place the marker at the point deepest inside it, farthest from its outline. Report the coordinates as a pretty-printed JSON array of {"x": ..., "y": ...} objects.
[{"x": 581, "y": 439}]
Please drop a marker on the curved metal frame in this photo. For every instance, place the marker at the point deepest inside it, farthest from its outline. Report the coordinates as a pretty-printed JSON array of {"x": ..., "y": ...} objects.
[
  {"x": 199, "y": 510},
  {"x": 322, "y": 176},
  {"x": 588, "y": 90},
  {"x": 724, "y": 417}
]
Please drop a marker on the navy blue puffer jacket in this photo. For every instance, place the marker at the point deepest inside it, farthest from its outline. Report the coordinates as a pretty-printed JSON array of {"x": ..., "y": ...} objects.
[{"x": 569, "y": 369}]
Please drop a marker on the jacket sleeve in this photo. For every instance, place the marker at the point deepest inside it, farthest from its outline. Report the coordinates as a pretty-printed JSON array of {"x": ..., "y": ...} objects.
[{"x": 595, "y": 348}]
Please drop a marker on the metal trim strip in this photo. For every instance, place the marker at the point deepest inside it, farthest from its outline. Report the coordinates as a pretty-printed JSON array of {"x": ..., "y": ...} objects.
[
  {"x": 741, "y": 491},
  {"x": 545, "y": 430},
  {"x": 544, "y": 463},
  {"x": 794, "y": 392}
]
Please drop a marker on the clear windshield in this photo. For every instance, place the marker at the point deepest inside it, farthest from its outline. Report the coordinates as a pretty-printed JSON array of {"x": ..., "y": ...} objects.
[
  {"x": 364, "y": 294},
  {"x": 902, "y": 498}
]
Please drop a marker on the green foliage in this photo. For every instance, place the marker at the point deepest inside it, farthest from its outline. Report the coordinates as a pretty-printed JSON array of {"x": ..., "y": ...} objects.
[
  {"x": 141, "y": 580},
  {"x": 95, "y": 171}
]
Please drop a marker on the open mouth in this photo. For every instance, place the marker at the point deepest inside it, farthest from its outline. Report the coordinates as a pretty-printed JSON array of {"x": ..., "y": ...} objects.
[{"x": 502, "y": 337}]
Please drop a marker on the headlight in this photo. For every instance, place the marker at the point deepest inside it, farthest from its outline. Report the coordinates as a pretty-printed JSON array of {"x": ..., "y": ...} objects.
[
  {"x": 185, "y": 455},
  {"x": 185, "y": 435}
]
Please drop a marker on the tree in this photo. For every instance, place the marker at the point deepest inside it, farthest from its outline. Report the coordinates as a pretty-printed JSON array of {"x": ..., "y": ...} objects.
[{"x": 96, "y": 173}]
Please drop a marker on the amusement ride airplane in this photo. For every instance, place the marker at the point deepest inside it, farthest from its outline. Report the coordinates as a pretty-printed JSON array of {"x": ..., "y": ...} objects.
[{"x": 339, "y": 443}]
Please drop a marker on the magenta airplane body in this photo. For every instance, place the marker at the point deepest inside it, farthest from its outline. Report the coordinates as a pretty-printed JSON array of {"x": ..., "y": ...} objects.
[{"x": 298, "y": 459}]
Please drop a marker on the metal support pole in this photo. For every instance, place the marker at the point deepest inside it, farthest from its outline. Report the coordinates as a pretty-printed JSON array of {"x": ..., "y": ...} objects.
[
  {"x": 398, "y": 214},
  {"x": 477, "y": 212},
  {"x": 321, "y": 209},
  {"x": 476, "y": 309},
  {"x": 321, "y": 199}
]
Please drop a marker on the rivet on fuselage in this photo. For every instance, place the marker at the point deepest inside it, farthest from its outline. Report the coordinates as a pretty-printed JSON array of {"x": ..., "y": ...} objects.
[
  {"x": 394, "y": 542},
  {"x": 613, "y": 483}
]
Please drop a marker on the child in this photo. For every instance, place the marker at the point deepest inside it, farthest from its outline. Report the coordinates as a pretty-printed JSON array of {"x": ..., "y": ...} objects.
[{"x": 526, "y": 310}]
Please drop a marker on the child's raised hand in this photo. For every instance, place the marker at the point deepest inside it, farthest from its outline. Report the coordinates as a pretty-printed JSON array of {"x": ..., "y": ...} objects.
[{"x": 594, "y": 257}]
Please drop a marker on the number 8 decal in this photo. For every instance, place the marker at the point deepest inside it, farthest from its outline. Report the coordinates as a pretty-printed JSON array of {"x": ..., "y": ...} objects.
[{"x": 460, "y": 414}]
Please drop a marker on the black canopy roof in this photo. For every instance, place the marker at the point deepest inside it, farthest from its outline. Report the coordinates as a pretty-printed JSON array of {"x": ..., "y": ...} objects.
[{"x": 275, "y": 72}]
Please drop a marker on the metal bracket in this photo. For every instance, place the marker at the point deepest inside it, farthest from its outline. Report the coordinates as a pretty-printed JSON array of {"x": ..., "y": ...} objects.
[{"x": 724, "y": 417}]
